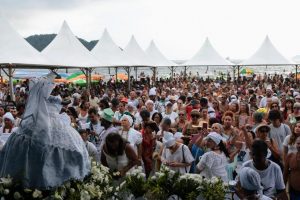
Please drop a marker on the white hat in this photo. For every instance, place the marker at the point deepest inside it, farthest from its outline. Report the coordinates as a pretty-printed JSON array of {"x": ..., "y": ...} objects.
[
  {"x": 217, "y": 138},
  {"x": 9, "y": 116},
  {"x": 129, "y": 118},
  {"x": 76, "y": 95},
  {"x": 250, "y": 179},
  {"x": 168, "y": 139},
  {"x": 149, "y": 101},
  {"x": 295, "y": 94},
  {"x": 178, "y": 135},
  {"x": 152, "y": 92}
]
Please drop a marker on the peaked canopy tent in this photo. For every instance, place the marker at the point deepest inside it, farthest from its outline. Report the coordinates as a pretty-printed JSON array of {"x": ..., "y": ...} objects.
[
  {"x": 107, "y": 51},
  {"x": 207, "y": 56},
  {"x": 66, "y": 50},
  {"x": 267, "y": 55},
  {"x": 137, "y": 56},
  {"x": 16, "y": 52},
  {"x": 158, "y": 58}
]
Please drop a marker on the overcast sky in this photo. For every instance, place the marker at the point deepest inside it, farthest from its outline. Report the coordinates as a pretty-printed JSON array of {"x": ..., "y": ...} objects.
[{"x": 236, "y": 28}]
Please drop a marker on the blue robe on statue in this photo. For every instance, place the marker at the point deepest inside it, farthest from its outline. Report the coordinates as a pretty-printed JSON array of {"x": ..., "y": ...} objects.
[{"x": 45, "y": 151}]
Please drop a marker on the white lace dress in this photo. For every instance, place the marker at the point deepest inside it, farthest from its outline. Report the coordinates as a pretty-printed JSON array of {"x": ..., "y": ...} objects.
[{"x": 46, "y": 150}]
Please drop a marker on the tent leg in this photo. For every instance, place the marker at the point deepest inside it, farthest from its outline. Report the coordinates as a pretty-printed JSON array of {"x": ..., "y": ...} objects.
[
  {"x": 128, "y": 74},
  {"x": 1, "y": 76},
  {"x": 238, "y": 76},
  {"x": 296, "y": 78},
  {"x": 234, "y": 73},
  {"x": 90, "y": 78},
  {"x": 184, "y": 72},
  {"x": 116, "y": 76},
  {"x": 136, "y": 73},
  {"x": 11, "y": 86},
  {"x": 87, "y": 78}
]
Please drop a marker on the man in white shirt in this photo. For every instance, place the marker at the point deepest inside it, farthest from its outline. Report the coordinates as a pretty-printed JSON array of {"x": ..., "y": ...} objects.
[
  {"x": 263, "y": 101},
  {"x": 169, "y": 113},
  {"x": 91, "y": 148},
  {"x": 94, "y": 126},
  {"x": 278, "y": 130},
  {"x": 150, "y": 107},
  {"x": 269, "y": 172}
]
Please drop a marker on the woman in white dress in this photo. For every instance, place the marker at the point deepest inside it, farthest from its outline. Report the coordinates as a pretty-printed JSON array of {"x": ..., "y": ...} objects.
[
  {"x": 134, "y": 137},
  {"x": 118, "y": 155},
  {"x": 45, "y": 151},
  {"x": 7, "y": 129},
  {"x": 214, "y": 162}
]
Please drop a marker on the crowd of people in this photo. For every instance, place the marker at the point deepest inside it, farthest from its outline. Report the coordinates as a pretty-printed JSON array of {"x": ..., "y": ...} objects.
[{"x": 247, "y": 130}]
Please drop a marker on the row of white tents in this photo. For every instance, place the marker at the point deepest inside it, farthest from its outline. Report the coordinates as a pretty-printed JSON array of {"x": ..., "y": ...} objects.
[{"x": 66, "y": 51}]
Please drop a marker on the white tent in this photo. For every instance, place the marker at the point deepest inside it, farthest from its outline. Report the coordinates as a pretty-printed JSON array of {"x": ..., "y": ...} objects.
[
  {"x": 296, "y": 59},
  {"x": 157, "y": 57},
  {"x": 267, "y": 54},
  {"x": 66, "y": 50},
  {"x": 135, "y": 53},
  {"x": 207, "y": 56},
  {"x": 107, "y": 51},
  {"x": 15, "y": 50}
]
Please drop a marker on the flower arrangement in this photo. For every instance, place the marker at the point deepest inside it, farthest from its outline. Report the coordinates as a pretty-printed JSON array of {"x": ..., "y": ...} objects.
[
  {"x": 187, "y": 186},
  {"x": 213, "y": 189},
  {"x": 100, "y": 185},
  {"x": 161, "y": 185}
]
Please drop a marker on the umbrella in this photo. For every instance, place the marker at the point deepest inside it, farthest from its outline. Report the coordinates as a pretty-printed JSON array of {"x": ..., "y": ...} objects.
[
  {"x": 121, "y": 76},
  {"x": 247, "y": 72}
]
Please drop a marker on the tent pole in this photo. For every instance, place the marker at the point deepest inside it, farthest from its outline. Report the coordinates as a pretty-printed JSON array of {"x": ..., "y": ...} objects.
[
  {"x": 11, "y": 86},
  {"x": 1, "y": 75},
  {"x": 128, "y": 74},
  {"x": 238, "y": 76},
  {"x": 296, "y": 78},
  {"x": 116, "y": 76},
  {"x": 234, "y": 73},
  {"x": 136, "y": 73},
  {"x": 87, "y": 78},
  {"x": 172, "y": 71},
  {"x": 184, "y": 72},
  {"x": 90, "y": 77}
]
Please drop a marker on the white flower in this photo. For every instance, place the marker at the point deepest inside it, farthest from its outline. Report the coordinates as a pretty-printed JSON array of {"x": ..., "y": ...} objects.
[
  {"x": 72, "y": 190},
  {"x": 6, "y": 191},
  {"x": 84, "y": 195},
  {"x": 36, "y": 194},
  {"x": 2, "y": 198},
  {"x": 214, "y": 180},
  {"x": 7, "y": 182},
  {"x": 17, "y": 195},
  {"x": 68, "y": 184},
  {"x": 26, "y": 190}
]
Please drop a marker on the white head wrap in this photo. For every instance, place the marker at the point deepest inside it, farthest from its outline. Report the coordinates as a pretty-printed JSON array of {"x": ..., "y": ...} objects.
[
  {"x": 217, "y": 138},
  {"x": 129, "y": 118},
  {"x": 169, "y": 139},
  {"x": 149, "y": 101},
  {"x": 152, "y": 91},
  {"x": 9, "y": 116},
  {"x": 250, "y": 179}
]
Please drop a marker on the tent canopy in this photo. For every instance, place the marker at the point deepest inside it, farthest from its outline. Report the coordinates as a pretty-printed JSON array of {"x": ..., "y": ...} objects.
[
  {"x": 15, "y": 50},
  {"x": 107, "y": 51},
  {"x": 296, "y": 59},
  {"x": 267, "y": 54},
  {"x": 157, "y": 57},
  {"x": 66, "y": 50},
  {"x": 135, "y": 53},
  {"x": 207, "y": 56}
]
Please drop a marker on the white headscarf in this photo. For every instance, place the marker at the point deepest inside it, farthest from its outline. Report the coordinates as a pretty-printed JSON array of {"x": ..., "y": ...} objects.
[
  {"x": 250, "y": 179},
  {"x": 9, "y": 116},
  {"x": 129, "y": 118}
]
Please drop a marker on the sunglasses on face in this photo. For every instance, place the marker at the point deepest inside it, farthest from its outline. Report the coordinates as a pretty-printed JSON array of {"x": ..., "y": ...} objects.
[
  {"x": 274, "y": 106},
  {"x": 181, "y": 114},
  {"x": 194, "y": 116}
]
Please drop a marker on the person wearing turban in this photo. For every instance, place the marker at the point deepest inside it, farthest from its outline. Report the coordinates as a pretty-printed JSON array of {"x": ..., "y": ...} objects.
[{"x": 130, "y": 134}]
